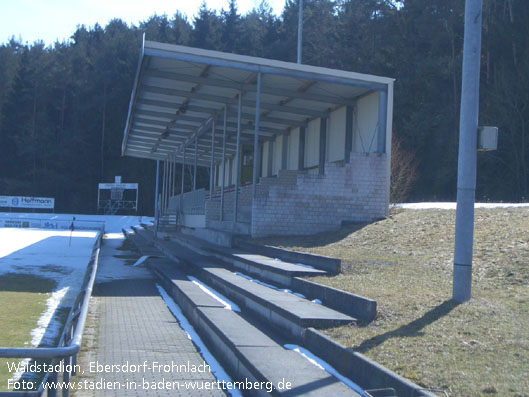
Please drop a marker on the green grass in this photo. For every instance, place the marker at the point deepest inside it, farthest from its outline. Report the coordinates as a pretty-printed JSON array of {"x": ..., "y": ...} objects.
[
  {"x": 23, "y": 300},
  {"x": 405, "y": 262}
]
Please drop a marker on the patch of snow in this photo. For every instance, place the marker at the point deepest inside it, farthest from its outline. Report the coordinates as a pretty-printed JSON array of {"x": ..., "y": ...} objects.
[
  {"x": 253, "y": 280},
  {"x": 114, "y": 236},
  {"x": 217, "y": 370},
  {"x": 140, "y": 261},
  {"x": 452, "y": 205},
  {"x": 303, "y": 265},
  {"x": 228, "y": 304},
  {"x": 47, "y": 329},
  {"x": 326, "y": 367},
  {"x": 112, "y": 267}
]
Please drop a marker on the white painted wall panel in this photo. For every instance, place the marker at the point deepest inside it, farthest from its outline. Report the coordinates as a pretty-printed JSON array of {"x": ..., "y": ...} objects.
[
  {"x": 293, "y": 150},
  {"x": 336, "y": 135},
  {"x": 312, "y": 144},
  {"x": 366, "y": 124}
]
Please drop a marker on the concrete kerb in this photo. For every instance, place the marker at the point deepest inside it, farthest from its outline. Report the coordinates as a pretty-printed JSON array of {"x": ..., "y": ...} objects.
[
  {"x": 357, "y": 306},
  {"x": 330, "y": 265},
  {"x": 366, "y": 373}
]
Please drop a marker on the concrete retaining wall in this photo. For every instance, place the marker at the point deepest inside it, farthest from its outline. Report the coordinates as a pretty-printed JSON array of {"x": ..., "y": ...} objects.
[
  {"x": 360, "y": 307},
  {"x": 366, "y": 373}
]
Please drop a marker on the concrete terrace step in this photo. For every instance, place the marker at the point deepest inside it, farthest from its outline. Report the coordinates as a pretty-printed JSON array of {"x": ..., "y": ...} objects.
[
  {"x": 288, "y": 312},
  {"x": 144, "y": 245},
  {"x": 268, "y": 269},
  {"x": 282, "y": 273},
  {"x": 244, "y": 350}
]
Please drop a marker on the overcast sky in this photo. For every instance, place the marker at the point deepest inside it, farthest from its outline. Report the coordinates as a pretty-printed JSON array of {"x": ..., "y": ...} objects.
[{"x": 49, "y": 20}]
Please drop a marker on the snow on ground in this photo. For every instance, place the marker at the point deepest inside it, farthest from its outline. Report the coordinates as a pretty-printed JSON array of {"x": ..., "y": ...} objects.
[
  {"x": 228, "y": 304},
  {"x": 49, "y": 254},
  {"x": 216, "y": 369},
  {"x": 114, "y": 262},
  {"x": 48, "y": 250},
  {"x": 318, "y": 362},
  {"x": 452, "y": 205}
]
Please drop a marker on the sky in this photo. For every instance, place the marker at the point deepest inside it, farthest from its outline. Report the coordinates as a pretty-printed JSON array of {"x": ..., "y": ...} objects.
[{"x": 49, "y": 20}]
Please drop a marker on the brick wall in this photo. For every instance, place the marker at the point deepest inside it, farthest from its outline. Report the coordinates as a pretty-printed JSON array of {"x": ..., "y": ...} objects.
[{"x": 302, "y": 203}]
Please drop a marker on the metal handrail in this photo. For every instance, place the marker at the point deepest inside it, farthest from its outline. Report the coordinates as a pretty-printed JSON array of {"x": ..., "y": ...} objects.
[{"x": 75, "y": 323}]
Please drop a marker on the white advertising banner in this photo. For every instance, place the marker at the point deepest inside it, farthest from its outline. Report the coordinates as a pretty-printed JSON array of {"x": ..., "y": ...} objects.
[
  {"x": 128, "y": 186},
  {"x": 27, "y": 202}
]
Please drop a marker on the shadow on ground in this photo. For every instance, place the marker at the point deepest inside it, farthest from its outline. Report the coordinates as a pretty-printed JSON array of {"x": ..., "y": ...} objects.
[
  {"x": 411, "y": 329},
  {"x": 130, "y": 287},
  {"x": 316, "y": 240}
]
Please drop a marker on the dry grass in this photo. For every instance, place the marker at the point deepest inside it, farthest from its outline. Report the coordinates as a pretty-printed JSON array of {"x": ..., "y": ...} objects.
[{"x": 405, "y": 262}]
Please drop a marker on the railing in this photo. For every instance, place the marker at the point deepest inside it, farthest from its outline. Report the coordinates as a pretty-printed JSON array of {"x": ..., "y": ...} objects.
[
  {"x": 69, "y": 342},
  {"x": 190, "y": 203}
]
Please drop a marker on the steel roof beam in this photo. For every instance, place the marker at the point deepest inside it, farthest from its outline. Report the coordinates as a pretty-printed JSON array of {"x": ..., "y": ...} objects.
[
  {"x": 270, "y": 90},
  {"x": 231, "y": 114},
  {"x": 246, "y": 103}
]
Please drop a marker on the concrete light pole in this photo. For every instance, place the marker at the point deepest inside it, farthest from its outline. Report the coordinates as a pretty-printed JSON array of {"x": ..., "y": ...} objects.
[{"x": 466, "y": 169}]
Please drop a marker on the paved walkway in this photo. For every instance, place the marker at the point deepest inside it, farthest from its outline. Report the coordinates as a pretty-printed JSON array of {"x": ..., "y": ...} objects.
[{"x": 131, "y": 330}]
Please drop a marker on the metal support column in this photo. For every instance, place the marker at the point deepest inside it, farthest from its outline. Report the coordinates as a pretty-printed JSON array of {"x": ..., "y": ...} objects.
[
  {"x": 237, "y": 160},
  {"x": 164, "y": 187},
  {"x": 171, "y": 178},
  {"x": 323, "y": 145},
  {"x": 348, "y": 134},
  {"x": 174, "y": 174},
  {"x": 382, "y": 121},
  {"x": 196, "y": 159},
  {"x": 466, "y": 168},
  {"x": 212, "y": 162},
  {"x": 181, "y": 201},
  {"x": 256, "y": 135},
  {"x": 284, "y": 152},
  {"x": 156, "y": 190},
  {"x": 223, "y": 173},
  {"x": 301, "y": 149},
  {"x": 270, "y": 160}
]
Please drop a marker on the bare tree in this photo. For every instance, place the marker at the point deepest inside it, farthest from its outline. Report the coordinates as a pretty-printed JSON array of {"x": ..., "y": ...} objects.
[{"x": 403, "y": 171}]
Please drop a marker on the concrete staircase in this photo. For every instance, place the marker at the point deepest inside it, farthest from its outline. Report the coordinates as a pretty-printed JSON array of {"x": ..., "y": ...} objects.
[{"x": 251, "y": 343}]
